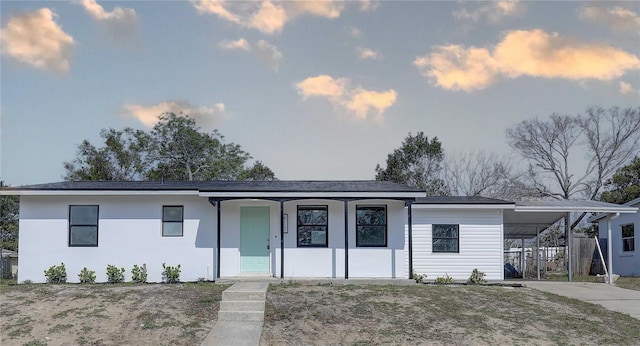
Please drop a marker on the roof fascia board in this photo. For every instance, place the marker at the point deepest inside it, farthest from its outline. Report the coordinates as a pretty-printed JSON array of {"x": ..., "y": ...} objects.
[
  {"x": 99, "y": 192},
  {"x": 463, "y": 206},
  {"x": 258, "y": 195},
  {"x": 565, "y": 209}
]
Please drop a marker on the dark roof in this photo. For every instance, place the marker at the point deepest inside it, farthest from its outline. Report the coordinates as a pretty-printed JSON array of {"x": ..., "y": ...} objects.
[
  {"x": 229, "y": 186},
  {"x": 459, "y": 200}
]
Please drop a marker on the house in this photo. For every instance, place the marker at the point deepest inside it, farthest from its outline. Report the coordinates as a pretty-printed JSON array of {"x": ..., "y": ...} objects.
[
  {"x": 292, "y": 229},
  {"x": 623, "y": 230}
]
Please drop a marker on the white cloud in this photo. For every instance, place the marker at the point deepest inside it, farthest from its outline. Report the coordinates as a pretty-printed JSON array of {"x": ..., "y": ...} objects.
[
  {"x": 354, "y": 32},
  {"x": 369, "y": 5},
  {"x": 359, "y": 101},
  {"x": 366, "y": 53},
  {"x": 532, "y": 53},
  {"x": 240, "y": 44},
  {"x": 263, "y": 50},
  {"x": 626, "y": 88},
  {"x": 121, "y": 23},
  {"x": 617, "y": 18},
  {"x": 34, "y": 38},
  {"x": 270, "y": 17},
  {"x": 492, "y": 11},
  {"x": 204, "y": 116}
]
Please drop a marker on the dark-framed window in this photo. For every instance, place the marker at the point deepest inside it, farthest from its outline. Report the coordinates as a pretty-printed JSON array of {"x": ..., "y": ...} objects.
[
  {"x": 371, "y": 226},
  {"x": 172, "y": 220},
  {"x": 313, "y": 225},
  {"x": 83, "y": 225},
  {"x": 446, "y": 238},
  {"x": 628, "y": 238}
]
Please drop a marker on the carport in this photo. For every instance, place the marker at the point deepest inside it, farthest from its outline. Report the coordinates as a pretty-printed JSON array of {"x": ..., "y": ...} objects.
[{"x": 529, "y": 218}]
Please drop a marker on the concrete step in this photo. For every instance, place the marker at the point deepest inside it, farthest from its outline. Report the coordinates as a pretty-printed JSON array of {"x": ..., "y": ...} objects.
[
  {"x": 241, "y": 316},
  {"x": 238, "y": 305},
  {"x": 243, "y": 295}
]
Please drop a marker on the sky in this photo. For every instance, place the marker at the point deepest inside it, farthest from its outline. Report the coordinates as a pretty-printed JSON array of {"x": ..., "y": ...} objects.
[{"x": 314, "y": 90}]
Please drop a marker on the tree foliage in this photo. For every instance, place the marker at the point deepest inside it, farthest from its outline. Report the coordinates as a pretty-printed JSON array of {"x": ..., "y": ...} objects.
[
  {"x": 624, "y": 186},
  {"x": 417, "y": 163},
  {"x": 175, "y": 149},
  {"x": 9, "y": 209}
]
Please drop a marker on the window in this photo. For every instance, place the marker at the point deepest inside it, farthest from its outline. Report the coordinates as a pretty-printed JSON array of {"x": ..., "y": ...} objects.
[
  {"x": 83, "y": 225},
  {"x": 313, "y": 222},
  {"x": 628, "y": 238},
  {"x": 172, "y": 219},
  {"x": 371, "y": 226},
  {"x": 446, "y": 238}
]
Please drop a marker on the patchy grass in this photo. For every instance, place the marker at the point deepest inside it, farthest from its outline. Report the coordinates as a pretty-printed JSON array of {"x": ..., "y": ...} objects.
[
  {"x": 630, "y": 282},
  {"x": 565, "y": 277},
  {"x": 113, "y": 314},
  {"x": 434, "y": 314}
]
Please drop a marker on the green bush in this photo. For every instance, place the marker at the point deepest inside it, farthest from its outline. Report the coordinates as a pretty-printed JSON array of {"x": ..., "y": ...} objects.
[
  {"x": 139, "y": 274},
  {"x": 419, "y": 277},
  {"x": 114, "y": 275},
  {"x": 87, "y": 276},
  {"x": 443, "y": 280},
  {"x": 170, "y": 274},
  {"x": 477, "y": 277},
  {"x": 56, "y": 274}
]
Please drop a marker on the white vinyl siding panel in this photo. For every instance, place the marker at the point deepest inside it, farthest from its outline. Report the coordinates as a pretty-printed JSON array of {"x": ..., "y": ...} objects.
[{"x": 480, "y": 236}]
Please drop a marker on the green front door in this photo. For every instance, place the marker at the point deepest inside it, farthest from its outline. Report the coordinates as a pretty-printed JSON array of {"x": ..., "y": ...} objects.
[{"x": 254, "y": 239}]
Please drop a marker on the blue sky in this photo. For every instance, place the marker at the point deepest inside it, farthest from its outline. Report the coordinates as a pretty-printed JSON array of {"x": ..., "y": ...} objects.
[{"x": 315, "y": 90}]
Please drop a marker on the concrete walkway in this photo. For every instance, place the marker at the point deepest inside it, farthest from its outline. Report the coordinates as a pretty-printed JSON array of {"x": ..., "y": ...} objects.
[
  {"x": 609, "y": 296},
  {"x": 241, "y": 315}
]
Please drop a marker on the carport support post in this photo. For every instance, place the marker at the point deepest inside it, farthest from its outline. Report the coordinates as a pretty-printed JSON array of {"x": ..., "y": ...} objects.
[
  {"x": 569, "y": 246},
  {"x": 282, "y": 239},
  {"x": 538, "y": 251},
  {"x": 346, "y": 239},
  {"x": 218, "y": 240},
  {"x": 410, "y": 239},
  {"x": 522, "y": 259},
  {"x": 609, "y": 251}
]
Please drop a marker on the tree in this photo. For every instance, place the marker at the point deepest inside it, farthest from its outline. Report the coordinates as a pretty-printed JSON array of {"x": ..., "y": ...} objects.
[
  {"x": 123, "y": 157},
  {"x": 175, "y": 149},
  {"x": 606, "y": 138},
  {"x": 9, "y": 209},
  {"x": 480, "y": 174},
  {"x": 624, "y": 186},
  {"x": 417, "y": 163}
]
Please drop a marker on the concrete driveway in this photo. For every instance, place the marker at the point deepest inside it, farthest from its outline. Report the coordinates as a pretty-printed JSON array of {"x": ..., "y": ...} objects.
[{"x": 609, "y": 296}]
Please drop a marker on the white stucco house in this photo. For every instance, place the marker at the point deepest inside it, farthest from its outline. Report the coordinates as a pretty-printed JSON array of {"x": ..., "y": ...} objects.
[
  {"x": 285, "y": 229},
  {"x": 624, "y": 232}
]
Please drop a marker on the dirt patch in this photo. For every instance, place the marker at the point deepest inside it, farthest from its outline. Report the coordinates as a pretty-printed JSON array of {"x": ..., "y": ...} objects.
[
  {"x": 151, "y": 314},
  {"x": 298, "y": 313}
]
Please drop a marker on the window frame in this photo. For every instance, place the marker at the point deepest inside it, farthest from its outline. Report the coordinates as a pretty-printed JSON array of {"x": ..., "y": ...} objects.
[
  {"x": 386, "y": 224},
  {"x": 181, "y": 222},
  {"x": 312, "y": 207},
  {"x": 632, "y": 237},
  {"x": 70, "y": 225},
  {"x": 433, "y": 238}
]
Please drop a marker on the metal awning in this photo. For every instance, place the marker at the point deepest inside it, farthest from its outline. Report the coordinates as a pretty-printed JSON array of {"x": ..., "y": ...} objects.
[{"x": 530, "y": 217}]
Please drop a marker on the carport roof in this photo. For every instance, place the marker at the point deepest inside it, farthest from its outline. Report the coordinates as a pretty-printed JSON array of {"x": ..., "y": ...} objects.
[{"x": 530, "y": 217}]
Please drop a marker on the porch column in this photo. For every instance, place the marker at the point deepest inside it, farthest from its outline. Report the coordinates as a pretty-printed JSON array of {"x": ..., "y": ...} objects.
[
  {"x": 410, "y": 239},
  {"x": 538, "y": 251},
  {"x": 218, "y": 239},
  {"x": 569, "y": 246},
  {"x": 609, "y": 251},
  {"x": 522, "y": 258},
  {"x": 346, "y": 239},
  {"x": 282, "y": 239}
]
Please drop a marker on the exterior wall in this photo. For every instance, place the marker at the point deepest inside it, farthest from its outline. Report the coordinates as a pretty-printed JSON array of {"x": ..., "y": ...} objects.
[
  {"x": 480, "y": 243},
  {"x": 129, "y": 232},
  {"x": 307, "y": 262},
  {"x": 624, "y": 263}
]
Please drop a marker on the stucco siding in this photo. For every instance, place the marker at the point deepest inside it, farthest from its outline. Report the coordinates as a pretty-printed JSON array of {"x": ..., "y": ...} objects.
[
  {"x": 129, "y": 232},
  {"x": 624, "y": 262},
  {"x": 480, "y": 243}
]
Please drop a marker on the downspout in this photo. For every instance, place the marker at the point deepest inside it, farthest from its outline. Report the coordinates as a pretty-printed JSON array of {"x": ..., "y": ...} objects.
[{"x": 610, "y": 247}]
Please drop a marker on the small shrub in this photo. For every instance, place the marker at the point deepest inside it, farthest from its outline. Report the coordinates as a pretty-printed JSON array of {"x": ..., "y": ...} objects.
[
  {"x": 27, "y": 282},
  {"x": 170, "y": 274},
  {"x": 202, "y": 280},
  {"x": 477, "y": 277},
  {"x": 419, "y": 277},
  {"x": 114, "y": 275},
  {"x": 139, "y": 274},
  {"x": 443, "y": 280},
  {"x": 56, "y": 274},
  {"x": 87, "y": 276}
]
